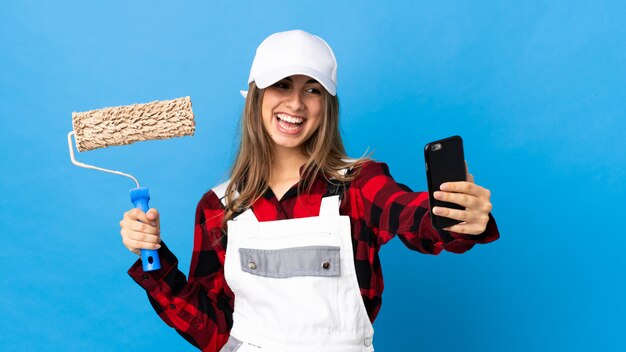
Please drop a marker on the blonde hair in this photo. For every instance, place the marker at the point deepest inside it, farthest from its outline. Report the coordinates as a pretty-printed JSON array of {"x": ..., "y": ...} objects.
[{"x": 252, "y": 166}]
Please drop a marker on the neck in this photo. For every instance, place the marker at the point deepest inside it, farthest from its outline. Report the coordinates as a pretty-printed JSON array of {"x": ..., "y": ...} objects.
[{"x": 286, "y": 164}]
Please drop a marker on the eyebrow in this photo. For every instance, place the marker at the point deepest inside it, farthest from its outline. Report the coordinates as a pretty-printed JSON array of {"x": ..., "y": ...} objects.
[{"x": 309, "y": 81}]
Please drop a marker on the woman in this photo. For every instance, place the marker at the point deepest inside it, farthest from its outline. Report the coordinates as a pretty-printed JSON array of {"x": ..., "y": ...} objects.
[{"x": 286, "y": 252}]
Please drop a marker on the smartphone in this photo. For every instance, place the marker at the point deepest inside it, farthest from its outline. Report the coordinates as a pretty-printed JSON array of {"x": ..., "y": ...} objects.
[{"x": 445, "y": 162}]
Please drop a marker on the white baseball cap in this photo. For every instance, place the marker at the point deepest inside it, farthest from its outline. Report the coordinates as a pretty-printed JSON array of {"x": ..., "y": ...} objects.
[{"x": 294, "y": 52}]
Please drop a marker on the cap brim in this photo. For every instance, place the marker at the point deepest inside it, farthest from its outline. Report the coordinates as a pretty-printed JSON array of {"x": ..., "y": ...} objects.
[{"x": 266, "y": 79}]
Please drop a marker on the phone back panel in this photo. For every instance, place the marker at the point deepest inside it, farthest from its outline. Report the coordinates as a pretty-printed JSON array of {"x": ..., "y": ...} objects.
[{"x": 445, "y": 162}]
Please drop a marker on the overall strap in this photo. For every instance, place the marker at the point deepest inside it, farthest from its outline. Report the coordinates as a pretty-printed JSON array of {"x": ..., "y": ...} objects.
[
  {"x": 220, "y": 192},
  {"x": 330, "y": 206}
]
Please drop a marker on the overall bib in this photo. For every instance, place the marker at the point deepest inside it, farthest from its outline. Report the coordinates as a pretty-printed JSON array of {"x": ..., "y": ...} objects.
[{"x": 295, "y": 284}]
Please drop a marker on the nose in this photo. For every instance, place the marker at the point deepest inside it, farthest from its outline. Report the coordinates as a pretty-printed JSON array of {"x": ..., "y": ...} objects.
[{"x": 294, "y": 100}]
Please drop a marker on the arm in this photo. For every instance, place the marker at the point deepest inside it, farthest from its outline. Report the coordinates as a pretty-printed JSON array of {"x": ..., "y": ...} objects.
[
  {"x": 391, "y": 208},
  {"x": 200, "y": 309}
]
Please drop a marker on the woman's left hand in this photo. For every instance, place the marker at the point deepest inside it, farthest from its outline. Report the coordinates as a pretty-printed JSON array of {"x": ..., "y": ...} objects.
[{"x": 474, "y": 198}]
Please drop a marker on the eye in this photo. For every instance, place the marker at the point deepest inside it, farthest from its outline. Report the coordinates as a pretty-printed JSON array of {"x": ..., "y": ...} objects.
[
  {"x": 314, "y": 90},
  {"x": 281, "y": 85}
]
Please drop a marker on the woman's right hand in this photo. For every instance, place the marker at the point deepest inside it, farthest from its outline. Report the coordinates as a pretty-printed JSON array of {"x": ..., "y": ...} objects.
[{"x": 141, "y": 230}]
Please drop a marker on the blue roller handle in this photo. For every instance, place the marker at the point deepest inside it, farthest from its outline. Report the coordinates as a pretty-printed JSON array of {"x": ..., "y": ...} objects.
[{"x": 149, "y": 257}]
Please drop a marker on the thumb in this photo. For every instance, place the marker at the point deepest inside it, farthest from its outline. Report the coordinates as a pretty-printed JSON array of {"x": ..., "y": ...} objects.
[
  {"x": 469, "y": 177},
  {"x": 152, "y": 215}
]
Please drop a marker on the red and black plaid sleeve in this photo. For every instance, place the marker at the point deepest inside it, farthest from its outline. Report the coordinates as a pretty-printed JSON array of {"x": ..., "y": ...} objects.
[
  {"x": 200, "y": 308},
  {"x": 380, "y": 208},
  {"x": 392, "y": 208}
]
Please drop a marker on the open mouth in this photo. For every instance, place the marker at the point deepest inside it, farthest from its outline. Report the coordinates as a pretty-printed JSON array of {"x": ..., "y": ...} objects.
[{"x": 289, "y": 124}]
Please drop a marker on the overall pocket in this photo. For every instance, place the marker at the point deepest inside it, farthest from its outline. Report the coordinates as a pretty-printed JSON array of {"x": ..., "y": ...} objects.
[
  {"x": 288, "y": 262},
  {"x": 232, "y": 345},
  {"x": 293, "y": 290}
]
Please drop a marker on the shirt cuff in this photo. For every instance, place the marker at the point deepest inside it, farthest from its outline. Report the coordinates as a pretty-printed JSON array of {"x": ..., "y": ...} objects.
[{"x": 151, "y": 279}]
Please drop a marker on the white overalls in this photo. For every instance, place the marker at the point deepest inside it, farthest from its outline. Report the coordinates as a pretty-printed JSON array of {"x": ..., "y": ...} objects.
[{"x": 295, "y": 284}]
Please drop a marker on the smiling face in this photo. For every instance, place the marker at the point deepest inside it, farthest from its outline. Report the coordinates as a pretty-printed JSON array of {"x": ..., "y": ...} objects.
[{"x": 292, "y": 110}]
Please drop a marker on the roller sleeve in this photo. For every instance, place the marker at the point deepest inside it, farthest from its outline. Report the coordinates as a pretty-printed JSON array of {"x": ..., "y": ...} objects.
[{"x": 133, "y": 123}]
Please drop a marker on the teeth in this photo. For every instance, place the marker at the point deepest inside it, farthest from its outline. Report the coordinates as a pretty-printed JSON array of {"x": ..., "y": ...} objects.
[
  {"x": 290, "y": 119},
  {"x": 289, "y": 128}
]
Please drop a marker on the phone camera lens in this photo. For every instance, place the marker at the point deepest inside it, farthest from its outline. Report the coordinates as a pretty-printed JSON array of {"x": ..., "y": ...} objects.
[{"x": 435, "y": 147}]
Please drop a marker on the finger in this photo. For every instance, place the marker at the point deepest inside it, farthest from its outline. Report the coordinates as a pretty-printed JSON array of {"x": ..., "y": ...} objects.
[
  {"x": 466, "y": 216},
  {"x": 140, "y": 236},
  {"x": 136, "y": 214},
  {"x": 133, "y": 245},
  {"x": 462, "y": 199},
  {"x": 138, "y": 226},
  {"x": 461, "y": 215},
  {"x": 465, "y": 187},
  {"x": 472, "y": 203},
  {"x": 132, "y": 249},
  {"x": 134, "y": 240},
  {"x": 153, "y": 216},
  {"x": 467, "y": 229}
]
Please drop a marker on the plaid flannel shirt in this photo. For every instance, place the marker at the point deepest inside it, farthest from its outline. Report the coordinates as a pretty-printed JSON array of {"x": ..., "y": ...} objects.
[{"x": 200, "y": 308}]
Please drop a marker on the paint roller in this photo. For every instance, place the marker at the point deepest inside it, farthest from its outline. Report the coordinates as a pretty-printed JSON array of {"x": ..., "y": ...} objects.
[{"x": 129, "y": 124}]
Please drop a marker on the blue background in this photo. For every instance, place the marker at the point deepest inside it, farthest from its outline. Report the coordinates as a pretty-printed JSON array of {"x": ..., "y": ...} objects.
[{"x": 536, "y": 88}]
